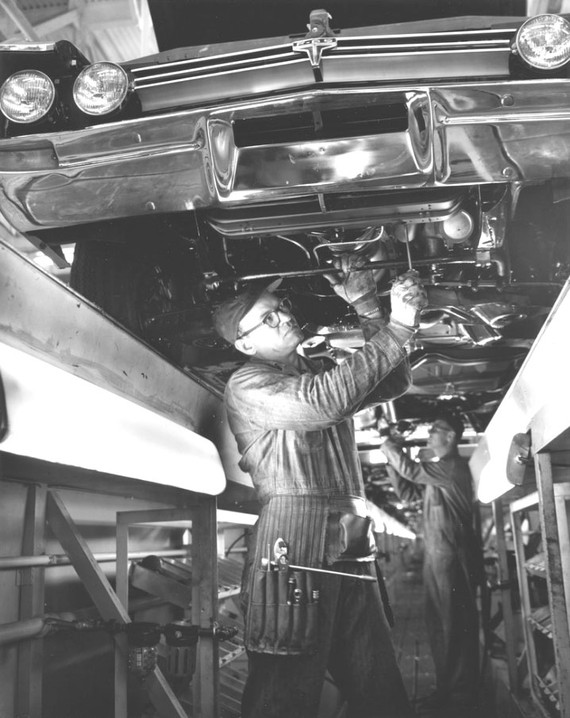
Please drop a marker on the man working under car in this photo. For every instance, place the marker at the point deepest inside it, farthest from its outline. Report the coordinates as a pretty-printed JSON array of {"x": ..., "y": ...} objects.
[
  {"x": 452, "y": 558},
  {"x": 293, "y": 426}
]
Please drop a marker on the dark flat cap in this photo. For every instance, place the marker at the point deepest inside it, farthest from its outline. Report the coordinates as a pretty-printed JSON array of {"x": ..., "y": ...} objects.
[{"x": 228, "y": 315}]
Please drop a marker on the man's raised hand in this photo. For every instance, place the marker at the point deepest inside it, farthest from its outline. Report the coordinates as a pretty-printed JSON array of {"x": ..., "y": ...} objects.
[{"x": 408, "y": 297}]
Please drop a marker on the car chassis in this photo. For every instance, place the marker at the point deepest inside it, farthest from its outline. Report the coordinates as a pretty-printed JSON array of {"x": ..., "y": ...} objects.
[{"x": 432, "y": 145}]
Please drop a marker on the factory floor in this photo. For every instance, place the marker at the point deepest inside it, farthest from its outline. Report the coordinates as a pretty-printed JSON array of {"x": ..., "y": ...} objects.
[
  {"x": 495, "y": 699},
  {"x": 414, "y": 659},
  {"x": 409, "y": 636},
  {"x": 412, "y": 649}
]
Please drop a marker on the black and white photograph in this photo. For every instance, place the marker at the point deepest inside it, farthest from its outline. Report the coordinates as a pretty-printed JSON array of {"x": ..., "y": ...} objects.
[{"x": 284, "y": 306}]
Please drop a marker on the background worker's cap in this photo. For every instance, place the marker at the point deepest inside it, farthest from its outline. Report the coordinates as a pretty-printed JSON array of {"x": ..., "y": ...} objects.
[
  {"x": 228, "y": 315},
  {"x": 454, "y": 421}
]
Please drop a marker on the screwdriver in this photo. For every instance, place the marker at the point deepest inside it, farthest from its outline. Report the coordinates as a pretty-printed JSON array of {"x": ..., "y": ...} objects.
[{"x": 407, "y": 241}]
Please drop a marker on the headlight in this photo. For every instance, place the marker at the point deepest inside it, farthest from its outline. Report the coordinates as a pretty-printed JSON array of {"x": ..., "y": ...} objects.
[
  {"x": 100, "y": 88},
  {"x": 543, "y": 42},
  {"x": 27, "y": 96}
]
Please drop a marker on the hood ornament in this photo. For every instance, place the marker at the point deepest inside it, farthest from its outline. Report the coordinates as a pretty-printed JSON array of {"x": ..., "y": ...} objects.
[{"x": 319, "y": 38}]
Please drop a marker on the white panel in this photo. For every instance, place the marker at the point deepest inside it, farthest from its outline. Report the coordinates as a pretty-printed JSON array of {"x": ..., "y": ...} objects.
[
  {"x": 541, "y": 388},
  {"x": 58, "y": 417}
]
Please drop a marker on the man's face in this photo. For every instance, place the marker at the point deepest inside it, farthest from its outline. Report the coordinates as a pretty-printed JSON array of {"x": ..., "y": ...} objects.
[
  {"x": 269, "y": 330},
  {"x": 440, "y": 436}
]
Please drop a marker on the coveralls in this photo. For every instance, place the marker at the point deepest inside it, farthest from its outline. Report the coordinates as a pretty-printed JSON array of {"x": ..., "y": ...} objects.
[
  {"x": 295, "y": 433},
  {"x": 452, "y": 565}
]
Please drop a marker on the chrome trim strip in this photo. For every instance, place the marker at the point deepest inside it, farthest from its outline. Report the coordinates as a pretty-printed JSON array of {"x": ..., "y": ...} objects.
[
  {"x": 263, "y": 52},
  {"x": 27, "y": 47},
  {"x": 141, "y": 85},
  {"x": 353, "y": 52},
  {"x": 135, "y": 154},
  {"x": 425, "y": 53},
  {"x": 476, "y": 45},
  {"x": 507, "y": 118},
  {"x": 418, "y": 36},
  {"x": 142, "y": 81}
]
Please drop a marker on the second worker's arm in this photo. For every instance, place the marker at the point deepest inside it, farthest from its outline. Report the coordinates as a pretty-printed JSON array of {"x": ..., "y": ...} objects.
[{"x": 433, "y": 473}]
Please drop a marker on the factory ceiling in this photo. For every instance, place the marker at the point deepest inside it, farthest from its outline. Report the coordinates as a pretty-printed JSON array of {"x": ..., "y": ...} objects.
[{"x": 115, "y": 30}]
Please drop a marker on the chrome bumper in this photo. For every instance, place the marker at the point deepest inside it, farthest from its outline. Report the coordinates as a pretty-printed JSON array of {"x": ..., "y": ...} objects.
[{"x": 454, "y": 134}]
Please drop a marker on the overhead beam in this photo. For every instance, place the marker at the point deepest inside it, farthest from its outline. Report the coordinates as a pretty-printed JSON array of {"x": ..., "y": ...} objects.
[
  {"x": 44, "y": 29},
  {"x": 97, "y": 15},
  {"x": 11, "y": 9},
  {"x": 71, "y": 17}
]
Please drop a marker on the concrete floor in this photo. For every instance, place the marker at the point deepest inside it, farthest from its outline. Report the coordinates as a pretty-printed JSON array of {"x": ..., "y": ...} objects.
[
  {"x": 412, "y": 652},
  {"x": 412, "y": 648},
  {"x": 410, "y": 636},
  {"x": 410, "y": 641}
]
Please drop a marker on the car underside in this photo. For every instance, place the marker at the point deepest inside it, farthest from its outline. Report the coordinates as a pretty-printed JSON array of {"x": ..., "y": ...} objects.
[
  {"x": 491, "y": 282},
  {"x": 248, "y": 161}
]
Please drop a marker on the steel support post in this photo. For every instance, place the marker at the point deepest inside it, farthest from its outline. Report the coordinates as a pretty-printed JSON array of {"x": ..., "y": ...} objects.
[
  {"x": 204, "y": 604},
  {"x": 104, "y": 598},
  {"x": 30, "y": 652},
  {"x": 504, "y": 581},
  {"x": 554, "y": 575}
]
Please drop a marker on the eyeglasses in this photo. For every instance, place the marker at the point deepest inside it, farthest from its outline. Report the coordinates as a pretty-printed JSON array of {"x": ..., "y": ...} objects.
[
  {"x": 272, "y": 318},
  {"x": 439, "y": 427}
]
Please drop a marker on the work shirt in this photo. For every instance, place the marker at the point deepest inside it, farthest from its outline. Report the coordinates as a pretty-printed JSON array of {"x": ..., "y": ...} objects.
[
  {"x": 447, "y": 500},
  {"x": 295, "y": 434}
]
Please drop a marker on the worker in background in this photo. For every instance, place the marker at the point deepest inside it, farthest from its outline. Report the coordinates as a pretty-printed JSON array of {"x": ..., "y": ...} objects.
[
  {"x": 292, "y": 420},
  {"x": 452, "y": 559}
]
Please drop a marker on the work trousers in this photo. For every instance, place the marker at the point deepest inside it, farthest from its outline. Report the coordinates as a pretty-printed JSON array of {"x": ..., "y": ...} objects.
[
  {"x": 452, "y": 625},
  {"x": 355, "y": 646}
]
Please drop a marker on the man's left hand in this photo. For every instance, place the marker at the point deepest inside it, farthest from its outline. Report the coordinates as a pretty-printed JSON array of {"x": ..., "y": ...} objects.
[
  {"x": 350, "y": 281},
  {"x": 408, "y": 297}
]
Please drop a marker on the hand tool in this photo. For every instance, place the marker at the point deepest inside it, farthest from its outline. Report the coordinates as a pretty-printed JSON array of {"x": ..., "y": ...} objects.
[
  {"x": 291, "y": 588},
  {"x": 407, "y": 242},
  {"x": 280, "y": 553}
]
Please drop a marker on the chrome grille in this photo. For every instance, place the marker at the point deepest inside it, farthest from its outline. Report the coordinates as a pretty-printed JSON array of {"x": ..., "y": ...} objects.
[{"x": 199, "y": 67}]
